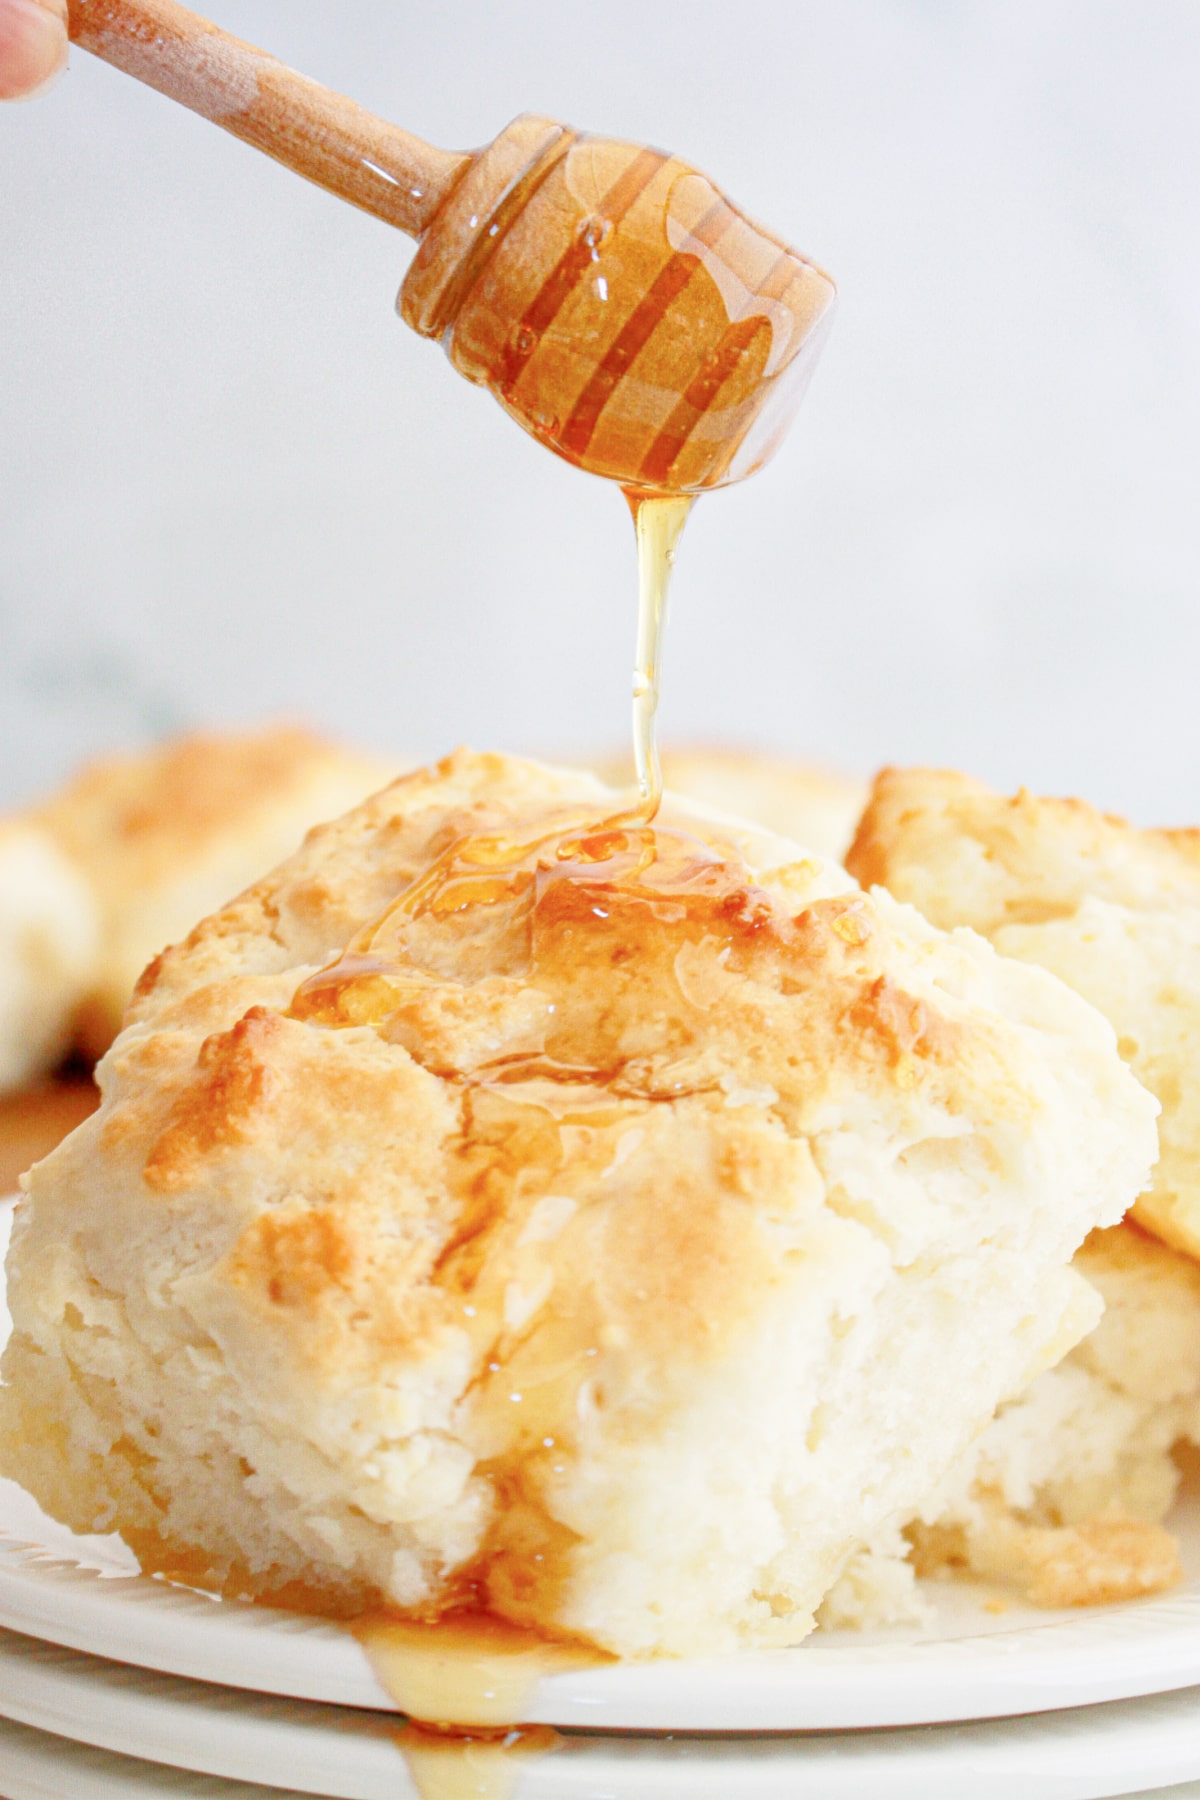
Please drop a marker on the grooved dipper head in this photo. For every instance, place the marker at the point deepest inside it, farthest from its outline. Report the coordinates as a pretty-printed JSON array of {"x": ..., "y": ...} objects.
[{"x": 619, "y": 307}]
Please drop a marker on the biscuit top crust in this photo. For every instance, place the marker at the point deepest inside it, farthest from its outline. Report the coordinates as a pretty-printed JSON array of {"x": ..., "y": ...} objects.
[
  {"x": 1112, "y": 910},
  {"x": 132, "y": 820},
  {"x": 619, "y": 966},
  {"x": 965, "y": 855},
  {"x": 427, "y": 1072}
]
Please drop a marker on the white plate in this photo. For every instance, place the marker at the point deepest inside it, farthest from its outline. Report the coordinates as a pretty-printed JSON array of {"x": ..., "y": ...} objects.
[
  {"x": 36, "y": 1766},
  {"x": 1082, "y": 1754},
  {"x": 969, "y": 1664}
]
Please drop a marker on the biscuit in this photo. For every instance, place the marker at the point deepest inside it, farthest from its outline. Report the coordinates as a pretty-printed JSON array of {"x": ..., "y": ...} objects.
[
  {"x": 621, "y": 1258},
  {"x": 49, "y": 942},
  {"x": 35, "y": 1118},
  {"x": 128, "y": 855},
  {"x": 1065, "y": 1493},
  {"x": 1113, "y": 911}
]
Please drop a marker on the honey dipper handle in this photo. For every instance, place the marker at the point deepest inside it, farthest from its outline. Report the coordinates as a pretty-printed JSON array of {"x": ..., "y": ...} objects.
[{"x": 321, "y": 135}]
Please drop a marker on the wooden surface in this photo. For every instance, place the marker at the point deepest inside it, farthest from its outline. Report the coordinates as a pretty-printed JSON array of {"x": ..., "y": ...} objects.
[{"x": 32, "y": 1123}]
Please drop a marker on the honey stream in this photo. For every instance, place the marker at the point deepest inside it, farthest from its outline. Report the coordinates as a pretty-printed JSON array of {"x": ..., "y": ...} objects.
[
  {"x": 658, "y": 520},
  {"x": 469, "y": 1681}
]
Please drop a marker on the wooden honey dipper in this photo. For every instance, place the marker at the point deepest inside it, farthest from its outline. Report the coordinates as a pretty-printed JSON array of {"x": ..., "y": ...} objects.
[{"x": 614, "y": 302}]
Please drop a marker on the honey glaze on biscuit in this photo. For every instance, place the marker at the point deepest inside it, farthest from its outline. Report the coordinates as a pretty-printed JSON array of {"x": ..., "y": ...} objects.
[
  {"x": 613, "y": 890},
  {"x": 582, "y": 909},
  {"x": 592, "y": 921},
  {"x": 623, "y": 895}
]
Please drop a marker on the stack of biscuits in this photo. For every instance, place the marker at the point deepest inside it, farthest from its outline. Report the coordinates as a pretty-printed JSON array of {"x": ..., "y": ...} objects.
[
  {"x": 1064, "y": 1494},
  {"x": 671, "y": 1264}
]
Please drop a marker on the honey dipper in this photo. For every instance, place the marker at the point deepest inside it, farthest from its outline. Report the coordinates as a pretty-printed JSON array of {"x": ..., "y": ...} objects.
[{"x": 616, "y": 304}]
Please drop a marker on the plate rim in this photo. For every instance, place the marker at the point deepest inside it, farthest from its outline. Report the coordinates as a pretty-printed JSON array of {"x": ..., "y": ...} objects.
[
  {"x": 1114, "y": 1653},
  {"x": 239, "y": 1738},
  {"x": 1140, "y": 1648}
]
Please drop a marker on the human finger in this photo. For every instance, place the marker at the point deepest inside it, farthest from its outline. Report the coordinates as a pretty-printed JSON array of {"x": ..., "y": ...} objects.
[{"x": 33, "y": 45}]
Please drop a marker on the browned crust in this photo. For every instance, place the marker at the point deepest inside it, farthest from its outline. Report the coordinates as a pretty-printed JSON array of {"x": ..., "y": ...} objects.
[{"x": 136, "y": 816}]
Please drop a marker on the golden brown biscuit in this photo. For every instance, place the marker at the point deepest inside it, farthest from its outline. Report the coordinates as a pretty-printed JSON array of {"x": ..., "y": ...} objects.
[
  {"x": 1113, "y": 911},
  {"x": 619, "y": 1243},
  {"x": 1065, "y": 1493},
  {"x": 133, "y": 851},
  {"x": 50, "y": 932},
  {"x": 966, "y": 855}
]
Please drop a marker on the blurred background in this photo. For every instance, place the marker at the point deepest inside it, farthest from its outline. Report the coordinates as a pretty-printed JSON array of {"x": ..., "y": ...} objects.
[{"x": 232, "y": 484}]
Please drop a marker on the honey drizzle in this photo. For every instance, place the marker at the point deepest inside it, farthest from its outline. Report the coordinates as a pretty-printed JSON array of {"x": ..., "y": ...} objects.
[
  {"x": 477, "y": 1676},
  {"x": 658, "y": 520},
  {"x": 472, "y": 1674},
  {"x": 467, "y": 1766},
  {"x": 468, "y": 1671},
  {"x": 467, "y": 1681},
  {"x": 485, "y": 868}
]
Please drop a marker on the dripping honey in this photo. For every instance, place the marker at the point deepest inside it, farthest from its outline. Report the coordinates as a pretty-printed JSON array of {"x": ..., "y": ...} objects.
[
  {"x": 569, "y": 877},
  {"x": 470, "y": 1765},
  {"x": 471, "y": 1674},
  {"x": 590, "y": 921},
  {"x": 658, "y": 521},
  {"x": 470, "y": 1671},
  {"x": 575, "y": 885}
]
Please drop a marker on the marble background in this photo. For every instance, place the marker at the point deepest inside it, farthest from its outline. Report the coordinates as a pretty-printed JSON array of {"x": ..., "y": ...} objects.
[{"x": 231, "y": 483}]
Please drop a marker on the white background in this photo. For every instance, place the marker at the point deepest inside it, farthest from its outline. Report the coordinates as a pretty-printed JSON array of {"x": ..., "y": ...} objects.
[{"x": 232, "y": 483}]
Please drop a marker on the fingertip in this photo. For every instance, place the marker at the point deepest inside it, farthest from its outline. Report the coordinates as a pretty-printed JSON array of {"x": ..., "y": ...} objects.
[{"x": 33, "y": 47}]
